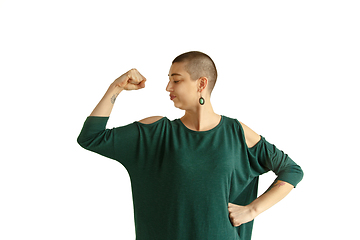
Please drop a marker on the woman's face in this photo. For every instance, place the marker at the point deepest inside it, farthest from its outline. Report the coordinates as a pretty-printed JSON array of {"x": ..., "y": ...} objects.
[{"x": 183, "y": 90}]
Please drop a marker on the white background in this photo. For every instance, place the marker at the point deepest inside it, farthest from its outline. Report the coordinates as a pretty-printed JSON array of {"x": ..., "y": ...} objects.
[{"x": 287, "y": 69}]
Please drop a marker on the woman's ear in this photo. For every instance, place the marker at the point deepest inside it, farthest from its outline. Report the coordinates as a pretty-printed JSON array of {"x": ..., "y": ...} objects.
[{"x": 203, "y": 82}]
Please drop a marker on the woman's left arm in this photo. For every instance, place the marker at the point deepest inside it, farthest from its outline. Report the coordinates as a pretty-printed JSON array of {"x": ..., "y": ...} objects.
[
  {"x": 278, "y": 162},
  {"x": 243, "y": 214}
]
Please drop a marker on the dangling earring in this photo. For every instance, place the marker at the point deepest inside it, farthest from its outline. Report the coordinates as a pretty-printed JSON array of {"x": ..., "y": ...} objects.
[{"x": 201, "y": 100}]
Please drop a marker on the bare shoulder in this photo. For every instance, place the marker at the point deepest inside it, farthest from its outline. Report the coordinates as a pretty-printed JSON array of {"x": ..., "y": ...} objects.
[
  {"x": 150, "y": 120},
  {"x": 251, "y": 137}
]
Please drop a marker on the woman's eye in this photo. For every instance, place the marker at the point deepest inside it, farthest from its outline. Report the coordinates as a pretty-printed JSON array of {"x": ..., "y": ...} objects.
[{"x": 176, "y": 81}]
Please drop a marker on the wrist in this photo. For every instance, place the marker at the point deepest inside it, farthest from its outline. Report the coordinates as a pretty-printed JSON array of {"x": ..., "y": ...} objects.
[
  {"x": 254, "y": 209},
  {"x": 115, "y": 88}
]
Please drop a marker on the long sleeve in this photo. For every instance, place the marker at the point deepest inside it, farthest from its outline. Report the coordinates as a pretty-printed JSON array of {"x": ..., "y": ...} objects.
[
  {"x": 117, "y": 143},
  {"x": 265, "y": 156}
]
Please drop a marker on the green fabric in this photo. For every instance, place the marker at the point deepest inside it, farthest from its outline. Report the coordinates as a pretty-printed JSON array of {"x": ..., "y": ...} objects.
[{"x": 183, "y": 180}]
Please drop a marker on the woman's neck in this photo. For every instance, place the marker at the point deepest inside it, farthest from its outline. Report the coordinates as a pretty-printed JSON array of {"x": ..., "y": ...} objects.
[{"x": 202, "y": 118}]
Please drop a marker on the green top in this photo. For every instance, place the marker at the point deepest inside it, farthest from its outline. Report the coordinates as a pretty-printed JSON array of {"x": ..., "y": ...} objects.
[{"x": 183, "y": 180}]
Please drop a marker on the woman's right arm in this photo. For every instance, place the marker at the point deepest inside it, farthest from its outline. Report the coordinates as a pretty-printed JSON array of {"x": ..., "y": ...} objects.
[
  {"x": 131, "y": 80},
  {"x": 95, "y": 137}
]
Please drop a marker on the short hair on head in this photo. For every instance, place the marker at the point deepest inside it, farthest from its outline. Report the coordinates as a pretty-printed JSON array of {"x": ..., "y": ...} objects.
[{"x": 199, "y": 65}]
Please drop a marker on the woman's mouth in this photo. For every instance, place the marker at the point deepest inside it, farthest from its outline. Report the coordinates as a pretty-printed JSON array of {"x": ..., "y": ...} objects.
[{"x": 172, "y": 97}]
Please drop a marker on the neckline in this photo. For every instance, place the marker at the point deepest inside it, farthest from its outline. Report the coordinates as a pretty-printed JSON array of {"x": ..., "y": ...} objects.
[{"x": 202, "y": 132}]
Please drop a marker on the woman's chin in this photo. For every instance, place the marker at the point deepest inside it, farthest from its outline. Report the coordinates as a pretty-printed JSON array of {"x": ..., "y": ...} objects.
[{"x": 178, "y": 105}]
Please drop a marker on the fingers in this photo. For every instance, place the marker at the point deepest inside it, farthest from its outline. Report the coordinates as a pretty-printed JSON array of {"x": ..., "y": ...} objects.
[
  {"x": 232, "y": 215},
  {"x": 231, "y": 206},
  {"x": 134, "y": 77},
  {"x": 240, "y": 214},
  {"x": 131, "y": 80},
  {"x": 138, "y": 86}
]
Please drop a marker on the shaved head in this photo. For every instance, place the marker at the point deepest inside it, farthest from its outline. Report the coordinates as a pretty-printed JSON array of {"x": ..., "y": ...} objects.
[{"x": 199, "y": 65}]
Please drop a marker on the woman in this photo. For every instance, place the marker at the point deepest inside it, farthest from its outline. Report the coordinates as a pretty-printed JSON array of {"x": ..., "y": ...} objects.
[{"x": 195, "y": 177}]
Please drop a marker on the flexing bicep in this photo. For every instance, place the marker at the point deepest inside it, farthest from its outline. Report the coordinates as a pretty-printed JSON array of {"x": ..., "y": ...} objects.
[{"x": 251, "y": 137}]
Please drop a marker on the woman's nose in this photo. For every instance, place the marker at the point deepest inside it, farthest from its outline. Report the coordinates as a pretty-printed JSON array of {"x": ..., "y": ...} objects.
[{"x": 168, "y": 87}]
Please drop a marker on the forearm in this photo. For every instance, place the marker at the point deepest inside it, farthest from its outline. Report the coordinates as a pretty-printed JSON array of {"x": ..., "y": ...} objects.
[
  {"x": 131, "y": 80},
  {"x": 273, "y": 195},
  {"x": 106, "y": 104}
]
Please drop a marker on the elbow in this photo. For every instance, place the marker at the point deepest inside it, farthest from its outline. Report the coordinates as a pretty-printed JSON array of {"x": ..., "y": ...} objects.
[
  {"x": 79, "y": 141},
  {"x": 298, "y": 171},
  {"x": 298, "y": 175},
  {"x": 301, "y": 174},
  {"x": 82, "y": 142},
  {"x": 292, "y": 175}
]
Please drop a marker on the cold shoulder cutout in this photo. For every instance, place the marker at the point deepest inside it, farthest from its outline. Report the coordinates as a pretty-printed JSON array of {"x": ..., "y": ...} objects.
[{"x": 150, "y": 120}]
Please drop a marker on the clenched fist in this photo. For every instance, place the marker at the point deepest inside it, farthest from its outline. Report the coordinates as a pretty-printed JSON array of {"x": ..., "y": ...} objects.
[
  {"x": 240, "y": 214},
  {"x": 131, "y": 80}
]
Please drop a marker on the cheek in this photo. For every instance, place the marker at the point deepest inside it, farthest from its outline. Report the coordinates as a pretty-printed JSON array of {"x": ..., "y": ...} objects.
[
  {"x": 186, "y": 93},
  {"x": 188, "y": 97}
]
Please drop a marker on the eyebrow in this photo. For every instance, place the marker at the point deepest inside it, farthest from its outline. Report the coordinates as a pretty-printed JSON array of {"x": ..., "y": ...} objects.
[{"x": 175, "y": 74}]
